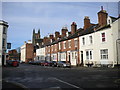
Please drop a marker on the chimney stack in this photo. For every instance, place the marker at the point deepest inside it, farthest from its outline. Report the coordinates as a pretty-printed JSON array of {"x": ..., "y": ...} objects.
[
  {"x": 102, "y": 17},
  {"x": 63, "y": 31},
  {"x": 57, "y": 34},
  {"x": 45, "y": 40},
  {"x": 86, "y": 22},
  {"x": 73, "y": 28},
  {"x": 51, "y": 36}
]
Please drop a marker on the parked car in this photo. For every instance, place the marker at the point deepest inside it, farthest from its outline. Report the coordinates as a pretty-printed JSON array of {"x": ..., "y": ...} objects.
[
  {"x": 31, "y": 62},
  {"x": 13, "y": 63},
  {"x": 38, "y": 62},
  {"x": 44, "y": 63},
  {"x": 53, "y": 63},
  {"x": 63, "y": 64}
]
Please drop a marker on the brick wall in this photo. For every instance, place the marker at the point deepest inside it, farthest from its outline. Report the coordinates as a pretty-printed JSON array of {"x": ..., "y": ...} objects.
[{"x": 29, "y": 52}]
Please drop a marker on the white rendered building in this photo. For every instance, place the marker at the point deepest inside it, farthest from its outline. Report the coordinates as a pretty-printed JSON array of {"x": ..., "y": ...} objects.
[
  {"x": 99, "y": 47},
  {"x": 40, "y": 54},
  {"x": 3, "y": 41}
]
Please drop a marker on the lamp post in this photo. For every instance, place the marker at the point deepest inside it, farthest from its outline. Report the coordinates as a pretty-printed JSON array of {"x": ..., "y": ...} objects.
[{"x": 117, "y": 43}]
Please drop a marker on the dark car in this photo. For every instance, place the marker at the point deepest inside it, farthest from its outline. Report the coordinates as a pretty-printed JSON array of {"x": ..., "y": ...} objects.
[
  {"x": 63, "y": 64},
  {"x": 38, "y": 62},
  {"x": 44, "y": 63},
  {"x": 31, "y": 62},
  {"x": 53, "y": 63},
  {"x": 13, "y": 63}
]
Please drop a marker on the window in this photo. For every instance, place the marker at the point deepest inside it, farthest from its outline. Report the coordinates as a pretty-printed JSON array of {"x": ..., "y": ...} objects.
[
  {"x": 90, "y": 39},
  {"x": 4, "y": 30},
  {"x": 88, "y": 54},
  {"x": 64, "y": 45},
  {"x": 103, "y": 37},
  {"x": 83, "y": 41},
  {"x": 109, "y": 21},
  {"x": 69, "y": 44},
  {"x": 104, "y": 53},
  {"x": 59, "y": 46},
  {"x": 63, "y": 56},
  {"x": 3, "y": 42},
  {"x": 76, "y": 43},
  {"x": 72, "y": 55}
]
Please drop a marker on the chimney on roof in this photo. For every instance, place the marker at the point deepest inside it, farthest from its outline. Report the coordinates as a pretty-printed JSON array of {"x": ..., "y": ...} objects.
[
  {"x": 63, "y": 31},
  {"x": 57, "y": 35},
  {"x": 73, "y": 27},
  {"x": 86, "y": 22},
  {"x": 51, "y": 36},
  {"x": 102, "y": 17},
  {"x": 45, "y": 39}
]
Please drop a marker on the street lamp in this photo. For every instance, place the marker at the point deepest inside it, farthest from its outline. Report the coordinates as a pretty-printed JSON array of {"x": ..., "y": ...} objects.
[{"x": 117, "y": 42}]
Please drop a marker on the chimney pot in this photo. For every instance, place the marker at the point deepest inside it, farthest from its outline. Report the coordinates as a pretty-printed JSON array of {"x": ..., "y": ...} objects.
[
  {"x": 102, "y": 17},
  {"x": 102, "y": 8},
  {"x": 87, "y": 23},
  {"x": 73, "y": 27}
]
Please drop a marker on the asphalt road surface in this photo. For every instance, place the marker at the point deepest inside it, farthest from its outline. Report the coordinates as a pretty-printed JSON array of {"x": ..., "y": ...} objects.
[{"x": 53, "y": 78}]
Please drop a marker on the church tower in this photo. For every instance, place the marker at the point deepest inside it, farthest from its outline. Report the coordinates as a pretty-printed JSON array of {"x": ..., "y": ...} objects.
[
  {"x": 36, "y": 38},
  {"x": 33, "y": 37}
]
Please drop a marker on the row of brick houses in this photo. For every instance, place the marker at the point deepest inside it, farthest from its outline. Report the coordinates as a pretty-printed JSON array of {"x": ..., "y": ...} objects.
[{"x": 94, "y": 43}]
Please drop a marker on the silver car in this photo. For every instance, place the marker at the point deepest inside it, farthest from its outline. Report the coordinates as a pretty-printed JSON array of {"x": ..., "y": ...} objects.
[{"x": 63, "y": 64}]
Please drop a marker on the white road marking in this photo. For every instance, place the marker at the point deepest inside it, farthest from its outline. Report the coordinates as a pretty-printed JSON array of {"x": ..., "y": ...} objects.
[{"x": 66, "y": 83}]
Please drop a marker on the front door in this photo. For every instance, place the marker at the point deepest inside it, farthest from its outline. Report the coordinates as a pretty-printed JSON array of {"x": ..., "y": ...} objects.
[
  {"x": 69, "y": 57},
  {"x": 3, "y": 57},
  {"x": 81, "y": 57}
]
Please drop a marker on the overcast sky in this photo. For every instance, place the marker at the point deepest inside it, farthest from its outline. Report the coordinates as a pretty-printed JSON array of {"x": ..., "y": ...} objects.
[{"x": 49, "y": 17}]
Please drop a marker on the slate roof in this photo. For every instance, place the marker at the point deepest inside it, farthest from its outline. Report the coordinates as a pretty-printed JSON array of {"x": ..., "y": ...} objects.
[
  {"x": 113, "y": 18},
  {"x": 81, "y": 32}
]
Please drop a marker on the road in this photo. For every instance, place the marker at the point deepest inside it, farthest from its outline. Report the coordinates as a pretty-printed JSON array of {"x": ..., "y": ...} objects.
[{"x": 54, "y": 78}]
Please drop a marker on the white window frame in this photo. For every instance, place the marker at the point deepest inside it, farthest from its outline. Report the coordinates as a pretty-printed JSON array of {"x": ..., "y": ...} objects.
[
  {"x": 76, "y": 42},
  {"x": 91, "y": 39},
  {"x": 60, "y": 46},
  {"x": 83, "y": 40},
  {"x": 104, "y": 54},
  {"x": 69, "y": 43},
  {"x": 90, "y": 54},
  {"x": 64, "y": 44}
]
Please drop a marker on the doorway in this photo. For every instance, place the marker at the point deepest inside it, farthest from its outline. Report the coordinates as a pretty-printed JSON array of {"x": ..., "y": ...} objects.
[
  {"x": 3, "y": 58},
  {"x": 81, "y": 57}
]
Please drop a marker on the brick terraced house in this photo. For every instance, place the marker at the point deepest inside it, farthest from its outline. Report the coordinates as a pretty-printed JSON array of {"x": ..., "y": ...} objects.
[{"x": 94, "y": 44}]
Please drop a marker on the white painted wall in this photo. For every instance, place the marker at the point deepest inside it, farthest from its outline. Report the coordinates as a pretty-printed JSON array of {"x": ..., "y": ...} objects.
[
  {"x": 116, "y": 35},
  {"x": 54, "y": 56},
  {"x": 3, "y": 36},
  {"x": 108, "y": 44},
  {"x": 40, "y": 53},
  {"x": 23, "y": 52},
  {"x": 111, "y": 34},
  {"x": 86, "y": 47}
]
